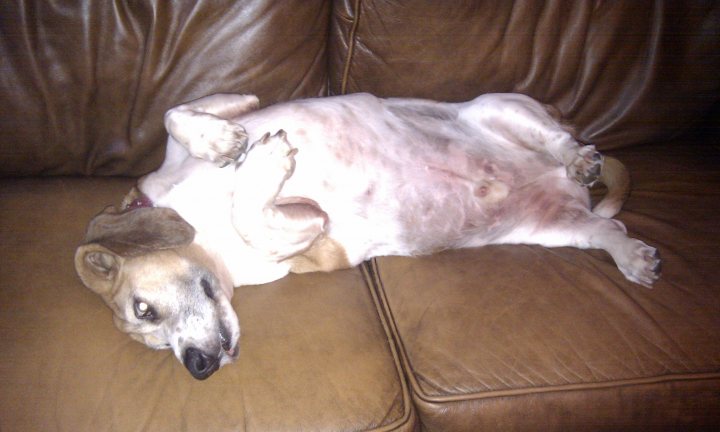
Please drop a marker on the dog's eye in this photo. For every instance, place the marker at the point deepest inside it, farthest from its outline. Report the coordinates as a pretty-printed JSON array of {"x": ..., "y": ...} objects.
[{"x": 144, "y": 311}]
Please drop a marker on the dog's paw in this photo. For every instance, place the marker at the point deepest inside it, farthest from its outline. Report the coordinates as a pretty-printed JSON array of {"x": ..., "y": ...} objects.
[
  {"x": 643, "y": 264},
  {"x": 273, "y": 153},
  {"x": 585, "y": 168},
  {"x": 219, "y": 141}
]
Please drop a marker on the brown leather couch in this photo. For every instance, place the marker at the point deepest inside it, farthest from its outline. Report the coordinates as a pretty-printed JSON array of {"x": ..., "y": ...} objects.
[{"x": 499, "y": 338}]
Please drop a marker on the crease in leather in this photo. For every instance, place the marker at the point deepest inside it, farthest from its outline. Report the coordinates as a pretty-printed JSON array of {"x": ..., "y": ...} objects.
[
  {"x": 352, "y": 40},
  {"x": 86, "y": 85}
]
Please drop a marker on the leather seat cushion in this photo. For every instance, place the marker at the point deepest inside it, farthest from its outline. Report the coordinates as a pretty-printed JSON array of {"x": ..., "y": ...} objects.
[
  {"x": 314, "y": 351},
  {"x": 527, "y": 338}
]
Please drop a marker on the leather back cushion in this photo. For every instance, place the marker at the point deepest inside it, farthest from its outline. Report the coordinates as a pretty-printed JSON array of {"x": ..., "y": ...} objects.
[
  {"x": 621, "y": 72},
  {"x": 84, "y": 85}
]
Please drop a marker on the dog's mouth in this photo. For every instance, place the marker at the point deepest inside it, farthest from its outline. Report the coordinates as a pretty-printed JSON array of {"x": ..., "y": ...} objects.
[{"x": 226, "y": 343}]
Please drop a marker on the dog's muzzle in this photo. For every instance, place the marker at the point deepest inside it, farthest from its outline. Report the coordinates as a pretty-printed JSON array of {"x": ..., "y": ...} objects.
[{"x": 200, "y": 364}]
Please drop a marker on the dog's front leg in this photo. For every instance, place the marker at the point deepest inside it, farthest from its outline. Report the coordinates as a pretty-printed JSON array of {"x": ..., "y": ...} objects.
[
  {"x": 204, "y": 126},
  {"x": 278, "y": 228}
]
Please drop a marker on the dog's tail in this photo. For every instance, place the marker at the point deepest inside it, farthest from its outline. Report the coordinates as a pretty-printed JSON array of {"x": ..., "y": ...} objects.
[{"x": 615, "y": 176}]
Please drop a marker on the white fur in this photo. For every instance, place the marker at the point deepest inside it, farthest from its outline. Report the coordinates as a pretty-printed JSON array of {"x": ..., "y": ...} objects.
[{"x": 383, "y": 176}]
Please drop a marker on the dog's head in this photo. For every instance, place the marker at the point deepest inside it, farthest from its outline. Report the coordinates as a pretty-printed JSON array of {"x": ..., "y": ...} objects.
[{"x": 165, "y": 291}]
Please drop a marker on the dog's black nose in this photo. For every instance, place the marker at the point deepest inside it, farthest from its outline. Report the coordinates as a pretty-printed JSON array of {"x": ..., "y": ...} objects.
[{"x": 199, "y": 364}]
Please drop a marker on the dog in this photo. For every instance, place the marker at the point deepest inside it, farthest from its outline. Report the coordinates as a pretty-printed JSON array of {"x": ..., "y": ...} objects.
[{"x": 246, "y": 195}]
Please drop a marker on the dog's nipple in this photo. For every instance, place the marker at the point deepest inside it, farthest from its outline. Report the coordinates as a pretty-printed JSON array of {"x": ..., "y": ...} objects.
[{"x": 492, "y": 191}]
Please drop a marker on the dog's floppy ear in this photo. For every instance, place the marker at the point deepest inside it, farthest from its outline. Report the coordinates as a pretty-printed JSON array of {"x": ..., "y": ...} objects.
[
  {"x": 97, "y": 267},
  {"x": 139, "y": 231},
  {"x": 114, "y": 236}
]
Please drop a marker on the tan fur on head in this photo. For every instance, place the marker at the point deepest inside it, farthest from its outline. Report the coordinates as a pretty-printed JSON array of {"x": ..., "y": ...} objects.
[
  {"x": 114, "y": 236},
  {"x": 164, "y": 290}
]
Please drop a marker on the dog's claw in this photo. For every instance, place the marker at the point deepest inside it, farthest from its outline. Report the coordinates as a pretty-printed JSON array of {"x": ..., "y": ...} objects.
[
  {"x": 586, "y": 167},
  {"x": 644, "y": 266},
  {"x": 273, "y": 151},
  {"x": 265, "y": 138},
  {"x": 281, "y": 134}
]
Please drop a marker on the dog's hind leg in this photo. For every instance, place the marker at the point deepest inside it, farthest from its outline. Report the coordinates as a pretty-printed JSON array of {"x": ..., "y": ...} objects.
[
  {"x": 639, "y": 262},
  {"x": 277, "y": 227},
  {"x": 205, "y": 127},
  {"x": 572, "y": 224},
  {"x": 517, "y": 119}
]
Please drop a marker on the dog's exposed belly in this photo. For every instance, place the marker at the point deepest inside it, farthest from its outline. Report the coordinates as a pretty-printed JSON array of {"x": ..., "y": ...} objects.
[
  {"x": 394, "y": 178},
  {"x": 430, "y": 208},
  {"x": 398, "y": 187},
  {"x": 372, "y": 177}
]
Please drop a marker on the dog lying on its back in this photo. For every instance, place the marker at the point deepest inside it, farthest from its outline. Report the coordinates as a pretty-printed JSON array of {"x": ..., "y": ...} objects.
[{"x": 246, "y": 195}]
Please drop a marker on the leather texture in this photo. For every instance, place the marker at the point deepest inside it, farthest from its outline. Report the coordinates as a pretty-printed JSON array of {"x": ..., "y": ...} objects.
[
  {"x": 561, "y": 327},
  {"x": 515, "y": 338},
  {"x": 64, "y": 65},
  {"x": 618, "y": 71},
  {"x": 314, "y": 351}
]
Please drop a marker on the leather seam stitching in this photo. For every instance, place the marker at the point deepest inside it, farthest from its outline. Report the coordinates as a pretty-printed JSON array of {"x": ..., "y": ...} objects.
[
  {"x": 565, "y": 388},
  {"x": 371, "y": 281}
]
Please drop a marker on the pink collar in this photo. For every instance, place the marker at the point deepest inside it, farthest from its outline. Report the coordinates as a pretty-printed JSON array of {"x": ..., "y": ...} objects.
[{"x": 141, "y": 201}]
